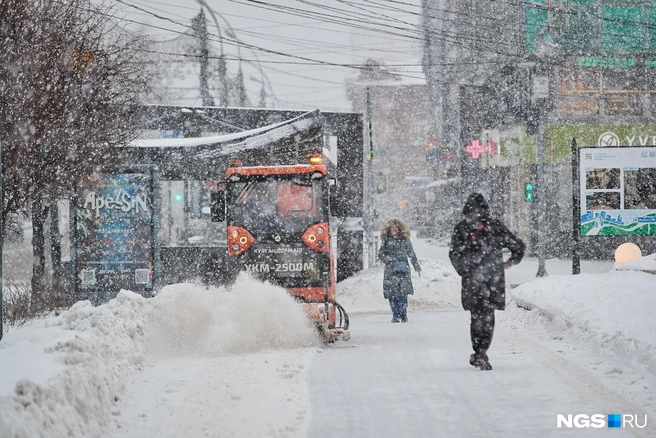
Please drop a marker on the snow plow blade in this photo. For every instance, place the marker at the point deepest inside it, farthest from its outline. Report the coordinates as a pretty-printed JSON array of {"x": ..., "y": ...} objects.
[{"x": 330, "y": 336}]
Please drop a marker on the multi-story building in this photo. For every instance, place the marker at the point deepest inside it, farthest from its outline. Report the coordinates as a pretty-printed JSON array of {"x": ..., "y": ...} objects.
[
  {"x": 401, "y": 118},
  {"x": 599, "y": 57}
]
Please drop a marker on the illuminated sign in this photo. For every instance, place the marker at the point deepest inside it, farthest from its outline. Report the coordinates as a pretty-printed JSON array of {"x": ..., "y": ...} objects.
[
  {"x": 114, "y": 234},
  {"x": 475, "y": 149}
]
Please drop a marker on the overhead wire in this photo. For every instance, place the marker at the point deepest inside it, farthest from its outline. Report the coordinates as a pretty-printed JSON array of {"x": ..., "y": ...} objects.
[
  {"x": 319, "y": 62},
  {"x": 274, "y": 6},
  {"x": 231, "y": 41},
  {"x": 428, "y": 7},
  {"x": 257, "y": 47},
  {"x": 265, "y": 49}
]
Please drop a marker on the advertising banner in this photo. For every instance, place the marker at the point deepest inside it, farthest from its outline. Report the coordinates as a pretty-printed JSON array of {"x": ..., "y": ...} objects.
[
  {"x": 114, "y": 234},
  {"x": 618, "y": 191}
]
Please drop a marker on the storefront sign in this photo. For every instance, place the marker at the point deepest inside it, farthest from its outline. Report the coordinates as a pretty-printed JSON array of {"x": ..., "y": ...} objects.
[
  {"x": 114, "y": 234},
  {"x": 604, "y": 62}
]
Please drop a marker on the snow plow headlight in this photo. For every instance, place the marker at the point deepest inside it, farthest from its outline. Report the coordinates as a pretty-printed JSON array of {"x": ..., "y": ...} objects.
[
  {"x": 316, "y": 237},
  {"x": 239, "y": 240}
]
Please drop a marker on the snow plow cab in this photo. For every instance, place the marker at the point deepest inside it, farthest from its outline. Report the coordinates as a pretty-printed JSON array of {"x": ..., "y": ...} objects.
[{"x": 279, "y": 231}]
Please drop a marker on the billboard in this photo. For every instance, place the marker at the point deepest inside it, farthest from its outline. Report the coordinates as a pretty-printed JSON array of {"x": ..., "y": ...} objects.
[
  {"x": 114, "y": 233},
  {"x": 618, "y": 191},
  {"x": 588, "y": 26}
]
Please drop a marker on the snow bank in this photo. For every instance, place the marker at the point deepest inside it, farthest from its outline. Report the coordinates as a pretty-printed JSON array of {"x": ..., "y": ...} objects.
[
  {"x": 108, "y": 344},
  {"x": 646, "y": 263},
  {"x": 608, "y": 312}
]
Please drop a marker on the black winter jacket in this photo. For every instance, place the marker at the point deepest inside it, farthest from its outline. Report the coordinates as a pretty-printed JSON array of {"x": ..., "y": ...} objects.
[{"x": 476, "y": 254}]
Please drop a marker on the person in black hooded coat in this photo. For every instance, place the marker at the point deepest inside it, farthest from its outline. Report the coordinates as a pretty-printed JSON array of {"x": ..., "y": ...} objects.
[{"x": 476, "y": 254}]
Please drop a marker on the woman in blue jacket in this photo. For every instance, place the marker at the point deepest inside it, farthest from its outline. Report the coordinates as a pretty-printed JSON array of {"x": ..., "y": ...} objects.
[{"x": 394, "y": 251}]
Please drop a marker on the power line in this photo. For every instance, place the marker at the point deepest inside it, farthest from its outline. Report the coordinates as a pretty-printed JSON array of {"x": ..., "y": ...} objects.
[
  {"x": 253, "y": 47},
  {"x": 310, "y": 61},
  {"x": 273, "y": 7}
]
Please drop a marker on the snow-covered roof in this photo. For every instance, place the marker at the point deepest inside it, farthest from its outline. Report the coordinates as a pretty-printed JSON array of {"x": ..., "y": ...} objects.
[
  {"x": 273, "y": 132},
  {"x": 264, "y": 138},
  {"x": 440, "y": 182}
]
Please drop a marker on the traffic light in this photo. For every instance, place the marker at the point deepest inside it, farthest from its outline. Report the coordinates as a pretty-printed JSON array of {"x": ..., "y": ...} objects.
[{"x": 529, "y": 195}]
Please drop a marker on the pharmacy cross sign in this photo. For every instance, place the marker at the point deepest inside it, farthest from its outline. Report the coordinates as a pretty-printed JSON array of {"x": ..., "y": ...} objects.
[{"x": 475, "y": 149}]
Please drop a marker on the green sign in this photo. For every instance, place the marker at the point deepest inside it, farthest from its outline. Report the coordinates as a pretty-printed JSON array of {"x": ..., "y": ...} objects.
[
  {"x": 558, "y": 140},
  {"x": 537, "y": 18},
  {"x": 605, "y": 62},
  {"x": 608, "y": 26}
]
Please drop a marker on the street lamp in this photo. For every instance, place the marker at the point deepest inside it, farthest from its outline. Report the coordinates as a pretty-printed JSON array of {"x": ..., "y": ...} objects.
[
  {"x": 538, "y": 66},
  {"x": 540, "y": 95}
]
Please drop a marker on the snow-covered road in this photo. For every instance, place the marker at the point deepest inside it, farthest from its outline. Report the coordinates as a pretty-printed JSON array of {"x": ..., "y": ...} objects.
[
  {"x": 390, "y": 380},
  {"x": 219, "y": 397},
  {"x": 414, "y": 380},
  {"x": 244, "y": 362}
]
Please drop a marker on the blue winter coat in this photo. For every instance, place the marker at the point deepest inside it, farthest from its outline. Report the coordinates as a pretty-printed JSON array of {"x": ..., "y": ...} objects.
[{"x": 397, "y": 249}]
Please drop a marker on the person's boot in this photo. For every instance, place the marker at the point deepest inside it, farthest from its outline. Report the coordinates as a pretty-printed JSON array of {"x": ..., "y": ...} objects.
[
  {"x": 395, "y": 320},
  {"x": 480, "y": 361},
  {"x": 472, "y": 359},
  {"x": 404, "y": 318}
]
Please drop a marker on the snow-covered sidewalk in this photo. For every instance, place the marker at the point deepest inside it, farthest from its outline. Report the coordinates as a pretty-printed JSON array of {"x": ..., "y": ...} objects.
[{"x": 68, "y": 375}]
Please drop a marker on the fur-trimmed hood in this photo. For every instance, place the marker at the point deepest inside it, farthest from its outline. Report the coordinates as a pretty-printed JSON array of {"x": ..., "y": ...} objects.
[{"x": 403, "y": 228}]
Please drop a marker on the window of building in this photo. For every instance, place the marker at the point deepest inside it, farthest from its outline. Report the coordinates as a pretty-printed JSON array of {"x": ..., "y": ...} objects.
[{"x": 623, "y": 29}]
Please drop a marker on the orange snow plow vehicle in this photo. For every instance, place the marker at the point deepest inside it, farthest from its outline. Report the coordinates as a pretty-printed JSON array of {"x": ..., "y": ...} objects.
[{"x": 278, "y": 225}]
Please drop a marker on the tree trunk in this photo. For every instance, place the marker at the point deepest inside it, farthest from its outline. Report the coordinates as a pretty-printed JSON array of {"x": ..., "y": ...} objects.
[
  {"x": 39, "y": 213},
  {"x": 55, "y": 251}
]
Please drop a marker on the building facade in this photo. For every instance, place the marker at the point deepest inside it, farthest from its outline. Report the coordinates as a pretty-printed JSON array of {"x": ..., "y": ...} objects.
[{"x": 400, "y": 113}]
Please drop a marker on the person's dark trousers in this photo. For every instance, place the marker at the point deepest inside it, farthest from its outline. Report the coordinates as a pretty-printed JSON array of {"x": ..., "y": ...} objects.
[
  {"x": 482, "y": 327},
  {"x": 399, "y": 306}
]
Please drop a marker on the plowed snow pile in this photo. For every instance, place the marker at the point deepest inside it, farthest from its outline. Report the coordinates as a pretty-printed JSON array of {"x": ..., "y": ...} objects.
[{"x": 113, "y": 340}]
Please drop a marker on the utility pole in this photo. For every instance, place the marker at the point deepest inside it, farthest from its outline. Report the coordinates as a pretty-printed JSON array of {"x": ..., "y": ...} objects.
[
  {"x": 199, "y": 25},
  {"x": 541, "y": 100},
  {"x": 369, "y": 208},
  {"x": 542, "y": 271},
  {"x": 576, "y": 210}
]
